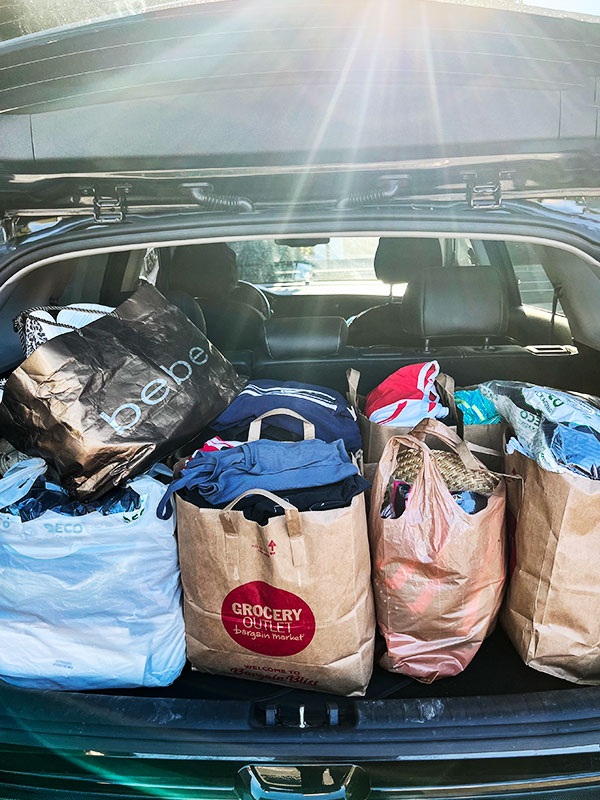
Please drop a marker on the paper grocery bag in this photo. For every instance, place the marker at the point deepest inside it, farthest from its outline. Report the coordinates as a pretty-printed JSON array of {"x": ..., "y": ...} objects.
[
  {"x": 287, "y": 603},
  {"x": 486, "y": 441},
  {"x": 552, "y": 610},
  {"x": 438, "y": 572},
  {"x": 375, "y": 437}
]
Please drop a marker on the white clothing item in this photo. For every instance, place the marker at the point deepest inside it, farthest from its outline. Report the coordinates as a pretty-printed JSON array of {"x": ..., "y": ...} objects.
[
  {"x": 42, "y": 326},
  {"x": 408, "y": 413},
  {"x": 413, "y": 397}
]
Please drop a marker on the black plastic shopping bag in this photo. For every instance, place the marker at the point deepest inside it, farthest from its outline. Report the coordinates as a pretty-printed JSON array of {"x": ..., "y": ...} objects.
[{"x": 103, "y": 403}]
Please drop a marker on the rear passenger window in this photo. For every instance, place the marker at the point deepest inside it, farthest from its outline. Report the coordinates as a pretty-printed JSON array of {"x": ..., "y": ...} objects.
[{"x": 534, "y": 285}]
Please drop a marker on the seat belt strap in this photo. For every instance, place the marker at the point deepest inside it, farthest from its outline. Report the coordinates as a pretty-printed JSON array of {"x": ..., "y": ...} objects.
[{"x": 555, "y": 298}]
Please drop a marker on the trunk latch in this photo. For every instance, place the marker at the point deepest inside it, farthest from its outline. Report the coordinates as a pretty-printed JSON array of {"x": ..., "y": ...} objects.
[
  {"x": 315, "y": 715},
  {"x": 486, "y": 193},
  {"x": 111, "y": 208}
]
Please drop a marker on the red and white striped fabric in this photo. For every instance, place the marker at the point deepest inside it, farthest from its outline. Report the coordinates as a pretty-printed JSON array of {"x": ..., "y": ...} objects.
[
  {"x": 406, "y": 397},
  {"x": 216, "y": 443}
]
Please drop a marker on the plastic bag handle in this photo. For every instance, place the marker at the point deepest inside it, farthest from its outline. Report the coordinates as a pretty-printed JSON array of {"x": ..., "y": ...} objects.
[
  {"x": 256, "y": 424},
  {"x": 292, "y": 519},
  {"x": 19, "y": 479},
  {"x": 431, "y": 427}
]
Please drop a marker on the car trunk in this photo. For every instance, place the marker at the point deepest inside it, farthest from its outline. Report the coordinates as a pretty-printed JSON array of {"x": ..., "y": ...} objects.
[
  {"x": 496, "y": 705},
  {"x": 71, "y": 156},
  {"x": 495, "y": 670}
]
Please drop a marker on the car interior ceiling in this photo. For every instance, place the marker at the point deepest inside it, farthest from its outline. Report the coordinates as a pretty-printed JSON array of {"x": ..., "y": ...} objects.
[{"x": 470, "y": 319}]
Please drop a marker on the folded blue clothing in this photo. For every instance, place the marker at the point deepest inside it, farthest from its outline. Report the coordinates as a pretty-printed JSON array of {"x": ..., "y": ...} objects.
[
  {"x": 223, "y": 475},
  {"x": 576, "y": 447},
  {"x": 325, "y": 408}
]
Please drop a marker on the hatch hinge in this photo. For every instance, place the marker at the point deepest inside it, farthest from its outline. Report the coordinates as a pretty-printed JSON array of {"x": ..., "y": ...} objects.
[
  {"x": 9, "y": 229},
  {"x": 483, "y": 195},
  {"x": 108, "y": 208}
]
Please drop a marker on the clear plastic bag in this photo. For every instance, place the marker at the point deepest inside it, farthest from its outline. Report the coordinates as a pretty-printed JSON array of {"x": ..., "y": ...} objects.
[
  {"x": 90, "y": 602},
  {"x": 559, "y": 430}
]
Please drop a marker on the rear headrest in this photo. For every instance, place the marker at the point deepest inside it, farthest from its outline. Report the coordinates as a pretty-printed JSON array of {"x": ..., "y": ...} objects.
[
  {"x": 456, "y": 300},
  {"x": 401, "y": 260},
  {"x": 204, "y": 270},
  {"x": 299, "y": 337}
]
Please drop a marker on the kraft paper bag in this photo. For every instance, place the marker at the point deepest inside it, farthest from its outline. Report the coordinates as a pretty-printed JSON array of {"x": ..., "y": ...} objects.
[
  {"x": 486, "y": 441},
  {"x": 552, "y": 610},
  {"x": 287, "y": 603},
  {"x": 104, "y": 403},
  {"x": 375, "y": 437},
  {"x": 438, "y": 572}
]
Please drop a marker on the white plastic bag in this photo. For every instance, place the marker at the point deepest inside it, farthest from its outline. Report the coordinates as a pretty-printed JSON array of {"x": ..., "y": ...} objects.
[
  {"x": 535, "y": 413},
  {"x": 89, "y": 602}
]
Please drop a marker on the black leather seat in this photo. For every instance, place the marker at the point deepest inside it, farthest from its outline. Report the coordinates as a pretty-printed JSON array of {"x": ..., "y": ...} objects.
[
  {"x": 306, "y": 349},
  {"x": 397, "y": 260},
  {"x": 465, "y": 306},
  {"x": 189, "y": 306},
  {"x": 209, "y": 273},
  {"x": 454, "y": 306},
  {"x": 301, "y": 337}
]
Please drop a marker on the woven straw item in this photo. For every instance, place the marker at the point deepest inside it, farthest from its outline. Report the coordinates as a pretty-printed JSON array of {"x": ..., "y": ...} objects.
[{"x": 456, "y": 476}]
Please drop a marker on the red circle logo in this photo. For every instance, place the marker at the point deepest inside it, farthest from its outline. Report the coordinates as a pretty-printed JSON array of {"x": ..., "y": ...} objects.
[{"x": 267, "y": 620}]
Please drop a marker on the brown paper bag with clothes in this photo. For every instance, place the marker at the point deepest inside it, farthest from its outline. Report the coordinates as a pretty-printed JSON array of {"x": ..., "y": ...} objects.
[
  {"x": 486, "y": 441},
  {"x": 438, "y": 572},
  {"x": 289, "y": 602},
  {"x": 552, "y": 610},
  {"x": 375, "y": 437}
]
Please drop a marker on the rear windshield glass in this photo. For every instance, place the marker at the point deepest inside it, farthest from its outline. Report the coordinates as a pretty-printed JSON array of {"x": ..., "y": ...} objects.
[{"x": 341, "y": 265}]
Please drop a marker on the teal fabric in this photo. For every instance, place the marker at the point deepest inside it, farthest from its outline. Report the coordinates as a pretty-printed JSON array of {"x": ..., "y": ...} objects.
[{"x": 476, "y": 409}]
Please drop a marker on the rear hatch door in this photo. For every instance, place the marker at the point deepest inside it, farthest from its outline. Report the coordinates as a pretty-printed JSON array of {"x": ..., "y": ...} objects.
[{"x": 300, "y": 101}]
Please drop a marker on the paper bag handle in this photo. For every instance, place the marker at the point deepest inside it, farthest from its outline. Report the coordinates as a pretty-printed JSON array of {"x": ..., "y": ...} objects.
[
  {"x": 264, "y": 493},
  {"x": 292, "y": 519},
  {"x": 353, "y": 378},
  {"x": 256, "y": 424},
  {"x": 432, "y": 427},
  {"x": 446, "y": 382}
]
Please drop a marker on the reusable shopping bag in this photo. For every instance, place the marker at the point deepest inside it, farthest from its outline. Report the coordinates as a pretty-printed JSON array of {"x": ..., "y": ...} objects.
[
  {"x": 104, "y": 402},
  {"x": 438, "y": 572},
  {"x": 375, "y": 436},
  {"x": 486, "y": 441},
  {"x": 88, "y": 602},
  {"x": 552, "y": 610},
  {"x": 289, "y": 602}
]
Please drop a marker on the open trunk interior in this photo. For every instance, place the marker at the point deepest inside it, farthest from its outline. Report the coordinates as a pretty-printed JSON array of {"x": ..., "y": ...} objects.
[{"x": 497, "y": 669}]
